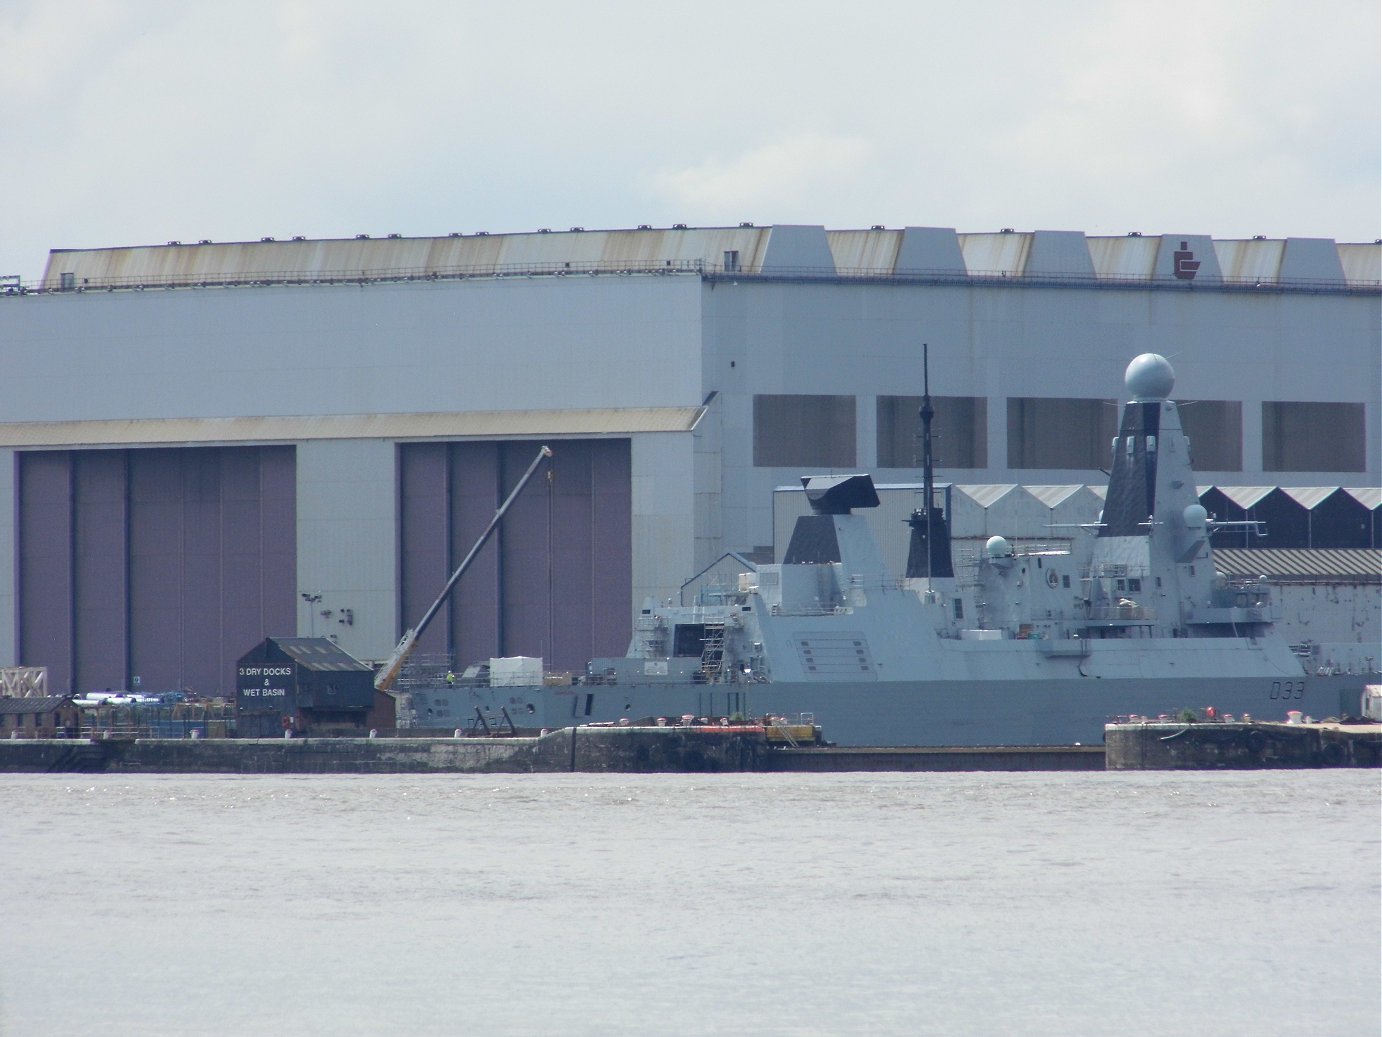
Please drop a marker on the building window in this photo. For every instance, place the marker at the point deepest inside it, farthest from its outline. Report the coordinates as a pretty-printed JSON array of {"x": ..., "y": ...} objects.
[
  {"x": 1313, "y": 437},
  {"x": 959, "y": 431},
  {"x": 1215, "y": 431},
  {"x": 803, "y": 431},
  {"x": 1060, "y": 433}
]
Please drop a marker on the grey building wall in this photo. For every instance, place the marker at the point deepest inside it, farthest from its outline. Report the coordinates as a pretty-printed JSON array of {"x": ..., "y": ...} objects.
[{"x": 600, "y": 341}]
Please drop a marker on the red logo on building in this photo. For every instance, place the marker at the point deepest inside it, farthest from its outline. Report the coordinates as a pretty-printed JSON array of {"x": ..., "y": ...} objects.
[{"x": 1185, "y": 262}]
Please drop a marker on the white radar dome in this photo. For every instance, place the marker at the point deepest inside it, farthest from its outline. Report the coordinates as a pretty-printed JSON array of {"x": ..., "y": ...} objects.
[
  {"x": 997, "y": 547},
  {"x": 1195, "y": 516},
  {"x": 1150, "y": 377}
]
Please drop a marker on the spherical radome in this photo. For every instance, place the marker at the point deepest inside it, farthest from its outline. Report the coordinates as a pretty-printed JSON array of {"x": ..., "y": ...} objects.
[{"x": 1150, "y": 377}]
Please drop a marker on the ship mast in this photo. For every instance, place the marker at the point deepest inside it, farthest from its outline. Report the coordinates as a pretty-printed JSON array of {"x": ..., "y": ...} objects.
[
  {"x": 929, "y": 553},
  {"x": 928, "y": 470}
]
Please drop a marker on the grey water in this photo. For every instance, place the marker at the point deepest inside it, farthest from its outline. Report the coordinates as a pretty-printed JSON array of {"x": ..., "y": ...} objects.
[{"x": 1124, "y": 903}]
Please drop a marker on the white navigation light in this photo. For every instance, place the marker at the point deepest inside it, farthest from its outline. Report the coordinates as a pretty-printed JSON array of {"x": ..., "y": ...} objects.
[{"x": 1150, "y": 377}]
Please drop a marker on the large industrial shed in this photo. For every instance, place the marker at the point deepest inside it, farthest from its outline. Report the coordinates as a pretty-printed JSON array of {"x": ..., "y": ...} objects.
[{"x": 209, "y": 444}]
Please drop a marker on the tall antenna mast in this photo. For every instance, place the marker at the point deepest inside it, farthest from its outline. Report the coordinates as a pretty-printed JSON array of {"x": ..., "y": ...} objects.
[{"x": 928, "y": 472}]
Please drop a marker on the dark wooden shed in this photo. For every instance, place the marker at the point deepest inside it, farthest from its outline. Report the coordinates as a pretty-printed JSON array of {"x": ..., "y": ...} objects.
[
  {"x": 38, "y": 716},
  {"x": 306, "y": 686}
]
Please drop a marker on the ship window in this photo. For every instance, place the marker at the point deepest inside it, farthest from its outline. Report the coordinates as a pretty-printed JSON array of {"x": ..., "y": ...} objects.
[
  {"x": 1314, "y": 437},
  {"x": 800, "y": 430},
  {"x": 1151, "y": 444},
  {"x": 960, "y": 429},
  {"x": 1060, "y": 433},
  {"x": 959, "y": 608},
  {"x": 1129, "y": 445},
  {"x": 1134, "y": 585},
  {"x": 1217, "y": 426},
  {"x": 1065, "y": 582}
]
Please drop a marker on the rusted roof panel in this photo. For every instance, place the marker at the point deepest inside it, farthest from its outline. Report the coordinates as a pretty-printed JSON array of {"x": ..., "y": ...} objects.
[
  {"x": 873, "y": 251},
  {"x": 1255, "y": 260},
  {"x": 1362, "y": 264},
  {"x": 1127, "y": 258},
  {"x": 864, "y": 250},
  {"x": 994, "y": 254}
]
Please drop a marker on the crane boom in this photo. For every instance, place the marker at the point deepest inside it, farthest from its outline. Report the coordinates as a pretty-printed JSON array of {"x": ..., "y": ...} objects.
[{"x": 388, "y": 673}]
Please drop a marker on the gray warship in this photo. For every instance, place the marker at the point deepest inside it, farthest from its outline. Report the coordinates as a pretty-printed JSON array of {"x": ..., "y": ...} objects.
[{"x": 1029, "y": 646}]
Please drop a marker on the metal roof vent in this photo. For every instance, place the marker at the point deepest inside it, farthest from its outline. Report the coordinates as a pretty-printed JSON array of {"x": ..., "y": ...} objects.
[
  {"x": 1134, "y": 234},
  {"x": 878, "y": 226},
  {"x": 645, "y": 226},
  {"x": 299, "y": 237},
  {"x": 175, "y": 242},
  {"x": 746, "y": 224},
  {"x": 454, "y": 234},
  {"x": 544, "y": 230},
  {"x": 678, "y": 226},
  {"x": 204, "y": 241},
  {"x": 362, "y": 237},
  {"x": 482, "y": 233},
  {"x": 578, "y": 228},
  {"x": 266, "y": 239},
  {"x": 1007, "y": 230},
  {"x": 1259, "y": 237},
  {"x": 395, "y": 235}
]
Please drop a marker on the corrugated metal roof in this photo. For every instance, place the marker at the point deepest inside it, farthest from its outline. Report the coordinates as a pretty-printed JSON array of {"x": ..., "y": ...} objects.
[
  {"x": 873, "y": 251},
  {"x": 1355, "y": 565},
  {"x": 35, "y": 704},
  {"x": 1051, "y": 496},
  {"x": 475, "y": 424},
  {"x": 1369, "y": 496},
  {"x": 1244, "y": 496},
  {"x": 1309, "y": 496},
  {"x": 987, "y": 494},
  {"x": 319, "y": 653}
]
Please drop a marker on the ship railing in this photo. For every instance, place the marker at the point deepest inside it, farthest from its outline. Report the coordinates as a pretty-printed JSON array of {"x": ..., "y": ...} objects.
[
  {"x": 805, "y": 610},
  {"x": 1120, "y": 613}
]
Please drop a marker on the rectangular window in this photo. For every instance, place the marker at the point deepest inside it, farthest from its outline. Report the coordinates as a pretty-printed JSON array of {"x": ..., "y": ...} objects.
[
  {"x": 1060, "y": 433},
  {"x": 1313, "y": 437},
  {"x": 959, "y": 431},
  {"x": 1215, "y": 431},
  {"x": 802, "y": 431}
]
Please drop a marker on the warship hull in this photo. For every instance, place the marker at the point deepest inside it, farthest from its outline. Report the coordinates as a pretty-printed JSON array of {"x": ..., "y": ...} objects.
[{"x": 1055, "y": 711}]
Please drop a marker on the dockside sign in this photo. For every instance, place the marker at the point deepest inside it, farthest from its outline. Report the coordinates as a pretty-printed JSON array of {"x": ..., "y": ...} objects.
[{"x": 265, "y": 687}]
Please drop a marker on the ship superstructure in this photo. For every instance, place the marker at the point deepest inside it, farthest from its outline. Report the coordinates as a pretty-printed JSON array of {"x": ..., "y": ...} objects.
[{"x": 1030, "y": 646}]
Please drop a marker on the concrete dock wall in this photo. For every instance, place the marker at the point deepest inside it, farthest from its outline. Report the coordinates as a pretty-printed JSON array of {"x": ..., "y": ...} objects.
[
  {"x": 636, "y": 750},
  {"x": 1240, "y": 746}
]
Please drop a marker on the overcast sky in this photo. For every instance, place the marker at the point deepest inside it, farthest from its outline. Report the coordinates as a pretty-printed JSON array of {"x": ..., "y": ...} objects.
[{"x": 140, "y": 121}]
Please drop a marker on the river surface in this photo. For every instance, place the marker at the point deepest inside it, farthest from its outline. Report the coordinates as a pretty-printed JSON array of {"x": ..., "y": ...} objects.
[{"x": 1034, "y": 904}]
